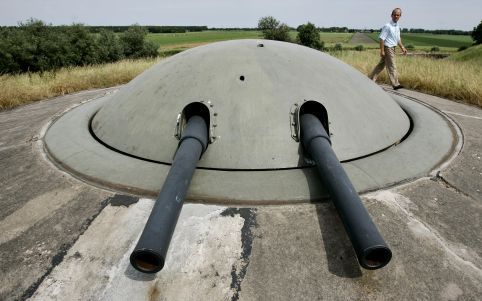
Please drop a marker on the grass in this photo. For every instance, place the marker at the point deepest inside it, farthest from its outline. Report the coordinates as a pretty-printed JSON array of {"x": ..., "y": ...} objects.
[
  {"x": 25, "y": 88},
  {"x": 175, "y": 40},
  {"x": 471, "y": 54},
  {"x": 427, "y": 39},
  {"x": 445, "y": 78}
]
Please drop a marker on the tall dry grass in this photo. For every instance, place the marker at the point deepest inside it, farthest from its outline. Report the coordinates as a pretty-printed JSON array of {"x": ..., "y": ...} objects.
[
  {"x": 461, "y": 81},
  {"x": 20, "y": 89}
]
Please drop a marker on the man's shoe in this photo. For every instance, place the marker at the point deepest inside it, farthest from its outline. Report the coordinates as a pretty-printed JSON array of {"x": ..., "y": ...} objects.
[{"x": 397, "y": 87}]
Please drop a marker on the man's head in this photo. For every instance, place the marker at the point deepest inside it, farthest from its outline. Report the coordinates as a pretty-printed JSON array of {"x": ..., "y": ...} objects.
[{"x": 396, "y": 14}]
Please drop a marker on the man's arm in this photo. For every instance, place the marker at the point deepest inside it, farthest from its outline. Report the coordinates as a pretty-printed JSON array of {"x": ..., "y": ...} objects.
[
  {"x": 382, "y": 48},
  {"x": 404, "y": 50},
  {"x": 383, "y": 35}
]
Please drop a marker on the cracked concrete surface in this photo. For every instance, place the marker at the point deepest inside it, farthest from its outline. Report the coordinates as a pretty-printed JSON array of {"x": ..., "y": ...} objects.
[{"x": 63, "y": 239}]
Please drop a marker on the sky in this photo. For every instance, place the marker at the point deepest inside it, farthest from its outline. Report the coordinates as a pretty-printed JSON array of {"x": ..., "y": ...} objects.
[{"x": 427, "y": 14}]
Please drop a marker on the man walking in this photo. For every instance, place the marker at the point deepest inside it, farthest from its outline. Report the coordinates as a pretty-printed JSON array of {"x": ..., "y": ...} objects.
[{"x": 389, "y": 39}]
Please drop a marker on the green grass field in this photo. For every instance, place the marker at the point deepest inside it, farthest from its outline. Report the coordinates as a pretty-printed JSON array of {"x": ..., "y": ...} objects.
[
  {"x": 426, "y": 39},
  {"x": 170, "y": 43},
  {"x": 190, "y": 39},
  {"x": 174, "y": 40},
  {"x": 335, "y": 37}
]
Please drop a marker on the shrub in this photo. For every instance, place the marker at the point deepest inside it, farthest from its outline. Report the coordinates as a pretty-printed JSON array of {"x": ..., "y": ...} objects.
[
  {"x": 83, "y": 46},
  {"x": 322, "y": 46},
  {"x": 338, "y": 47},
  {"x": 134, "y": 44},
  {"x": 35, "y": 46},
  {"x": 410, "y": 47},
  {"x": 273, "y": 30},
  {"x": 110, "y": 48},
  {"x": 359, "y": 48},
  {"x": 434, "y": 49},
  {"x": 15, "y": 51},
  {"x": 477, "y": 34},
  {"x": 462, "y": 48},
  {"x": 308, "y": 35}
]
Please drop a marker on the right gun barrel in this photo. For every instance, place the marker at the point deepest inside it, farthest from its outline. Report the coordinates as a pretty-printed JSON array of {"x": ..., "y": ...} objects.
[{"x": 371, "y": 250}]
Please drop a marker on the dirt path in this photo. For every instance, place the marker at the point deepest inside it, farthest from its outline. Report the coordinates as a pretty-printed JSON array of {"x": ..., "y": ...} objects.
[{"x": 361, "y": 38}]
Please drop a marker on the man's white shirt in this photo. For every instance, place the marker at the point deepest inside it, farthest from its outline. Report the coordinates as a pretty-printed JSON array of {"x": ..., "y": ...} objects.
[{"x": 390, "y": 34}]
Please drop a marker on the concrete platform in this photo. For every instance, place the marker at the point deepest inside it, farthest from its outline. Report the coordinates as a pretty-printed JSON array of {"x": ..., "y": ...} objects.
[{"x": 64, "y": 239}]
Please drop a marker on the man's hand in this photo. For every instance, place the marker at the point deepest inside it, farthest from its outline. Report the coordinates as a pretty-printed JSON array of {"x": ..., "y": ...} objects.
[
  {"x": 404, "y": 50},
  {"x": 382, "y": 52}
]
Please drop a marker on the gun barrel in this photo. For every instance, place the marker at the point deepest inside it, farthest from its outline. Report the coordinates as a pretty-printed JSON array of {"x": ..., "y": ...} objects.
[
  {"x": 149, "y": 255},
  {"x": 371, "y": 250}
]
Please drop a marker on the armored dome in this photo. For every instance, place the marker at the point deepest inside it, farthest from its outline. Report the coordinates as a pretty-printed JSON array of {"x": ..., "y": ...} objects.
[{"x": 251, "y": 88}]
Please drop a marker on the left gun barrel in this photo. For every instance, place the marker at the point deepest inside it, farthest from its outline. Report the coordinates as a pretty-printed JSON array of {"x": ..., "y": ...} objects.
[{"x": 149, "y": 255}]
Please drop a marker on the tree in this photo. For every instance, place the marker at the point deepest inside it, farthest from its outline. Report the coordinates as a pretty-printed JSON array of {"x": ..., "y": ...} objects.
[
  {"x": 34, "y": 46},
  {"x": 308, "y": 35},
  {"x": 84, "y": 47},
  {"x": 110, "y": 48},
  {"x": 477, "y": 34},
  {"x": 273, "y": 30},
  {"x": 134, "y": 44}
]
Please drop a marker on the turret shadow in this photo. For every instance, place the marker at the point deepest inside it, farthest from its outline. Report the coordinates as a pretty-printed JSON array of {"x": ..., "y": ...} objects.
[{"x": 340, "y": 255}]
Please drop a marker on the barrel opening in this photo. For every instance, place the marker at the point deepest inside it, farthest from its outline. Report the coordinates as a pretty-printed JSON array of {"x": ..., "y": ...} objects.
[
  {"x": 196, "y": 108},
  {"x": 317, "y": 109},
  {"x": 147, "y": 261},
  {"x": 376, "y": 258},
  {"x": 192, "y": 109}
]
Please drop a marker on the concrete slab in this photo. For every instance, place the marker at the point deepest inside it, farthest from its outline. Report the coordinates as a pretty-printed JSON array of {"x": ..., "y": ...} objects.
[
  {"x": 61, "y": 238},
  {"x": 43, "y": 210}
]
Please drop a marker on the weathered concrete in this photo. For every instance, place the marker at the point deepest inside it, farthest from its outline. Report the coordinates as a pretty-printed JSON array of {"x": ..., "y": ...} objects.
[
  {"x": 43, "y": 210},
  {"x": 64, "y": 239}
]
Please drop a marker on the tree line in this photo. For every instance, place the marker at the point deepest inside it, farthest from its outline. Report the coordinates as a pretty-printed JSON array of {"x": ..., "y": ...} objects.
[
  {"x": 35, "y": 46},
  {"x": 151, "y": 29},
  {"x": 309, "y": 35}
]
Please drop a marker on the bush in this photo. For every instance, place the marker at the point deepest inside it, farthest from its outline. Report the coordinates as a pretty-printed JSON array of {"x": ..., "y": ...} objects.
[
  {"x": 110, "y": 48},
  {"x": 35, "y": 46},
  {"x": 359, "y": 48},
  {"x": 134, "y": 44},
  {"x": 338, "y": 47},
  {"x": 83, "y": 46},
  {"x": 322, "y": 46},
  {"x": 434, "y": 49},
  {"x": 410, "y": 47},
  {"x": 273, "y": 30},
  {"x": 462, "y": 48},
  {"x": 477, "y": 34},
  {"x": 308, "y": 35}
]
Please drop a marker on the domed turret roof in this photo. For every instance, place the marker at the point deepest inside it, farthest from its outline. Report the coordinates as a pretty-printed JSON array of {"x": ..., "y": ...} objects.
[{"x": 250, "y": 87}]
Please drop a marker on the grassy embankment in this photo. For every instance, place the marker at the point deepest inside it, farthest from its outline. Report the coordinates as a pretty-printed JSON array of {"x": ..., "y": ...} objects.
[
  {"x": 24, "y": 88},
  {"x": 471, "y": 55},
  {"x": 456, "y": 78}
]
